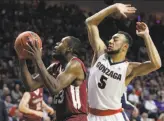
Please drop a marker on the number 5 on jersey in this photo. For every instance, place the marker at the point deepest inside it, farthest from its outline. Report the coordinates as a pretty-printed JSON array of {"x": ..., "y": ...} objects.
[{"x": 102, "y": 83}]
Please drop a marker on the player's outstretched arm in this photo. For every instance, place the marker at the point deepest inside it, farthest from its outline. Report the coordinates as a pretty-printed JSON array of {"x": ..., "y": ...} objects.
[
  {"x": 154, "y": 63},
  {"x": 92, "y": 25},
  {"x": 23, "y": 106}
]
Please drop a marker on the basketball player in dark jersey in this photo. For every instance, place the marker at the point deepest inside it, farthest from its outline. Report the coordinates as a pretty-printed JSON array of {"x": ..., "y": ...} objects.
[
  {"x": 69, "y": 86},
  {"x": 32, "y": 105}
]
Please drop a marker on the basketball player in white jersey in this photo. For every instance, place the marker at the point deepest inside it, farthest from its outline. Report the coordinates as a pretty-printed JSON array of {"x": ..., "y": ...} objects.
[{"x": 110, "y": 73}]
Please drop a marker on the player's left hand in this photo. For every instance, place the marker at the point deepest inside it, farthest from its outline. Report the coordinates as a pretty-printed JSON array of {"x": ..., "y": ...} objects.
[
  {"x": 142, "y": 29},
  {"x": 34, "y": 50}
]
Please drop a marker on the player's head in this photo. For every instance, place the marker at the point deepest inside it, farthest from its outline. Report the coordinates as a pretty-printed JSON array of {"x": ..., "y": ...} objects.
[
  {"x": 120, "y": 42},
  {"x": 67, "y": 45}
]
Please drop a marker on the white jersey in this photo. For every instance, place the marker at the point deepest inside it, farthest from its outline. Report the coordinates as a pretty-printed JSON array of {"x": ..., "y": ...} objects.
[{"x": 106, "y": 84}]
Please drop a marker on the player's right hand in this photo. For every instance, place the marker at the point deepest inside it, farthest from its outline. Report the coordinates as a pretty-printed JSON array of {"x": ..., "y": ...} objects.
[{"x": 125, "y": 9}]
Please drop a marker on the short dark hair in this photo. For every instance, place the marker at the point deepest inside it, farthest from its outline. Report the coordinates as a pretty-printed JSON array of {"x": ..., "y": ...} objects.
[
  {"x": 74, "y": 43},
  {"x": 127, "y": 36}
]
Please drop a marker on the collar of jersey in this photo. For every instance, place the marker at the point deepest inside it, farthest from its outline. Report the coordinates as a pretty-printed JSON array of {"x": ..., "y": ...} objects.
[{"x": 111, "y": 63}]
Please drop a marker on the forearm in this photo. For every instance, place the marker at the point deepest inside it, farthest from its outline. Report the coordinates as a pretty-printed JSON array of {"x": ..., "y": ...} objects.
[
  {"x": 29, "y": 83},
  {"x": 26, "y": 110},
  {"x": 152, "y": 51},
  {"x": 25, "y": 75},
  {"x": 48, "y": 80},
  {"x": 98, "y": 17}
]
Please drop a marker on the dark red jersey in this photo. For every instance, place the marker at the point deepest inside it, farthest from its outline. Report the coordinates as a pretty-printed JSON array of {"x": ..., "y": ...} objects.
[
  {"x": 35, "y": 103},
  {"x": 71, "y": 102}
]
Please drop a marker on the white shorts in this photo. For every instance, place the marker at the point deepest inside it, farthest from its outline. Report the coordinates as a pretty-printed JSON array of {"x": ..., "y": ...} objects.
[{"x": 116, "y": 117}]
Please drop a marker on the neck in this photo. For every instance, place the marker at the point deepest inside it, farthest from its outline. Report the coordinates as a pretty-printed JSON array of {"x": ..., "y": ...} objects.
[
  {"x": 117, "y": 57},
  {"x": 69, "y": 57}
]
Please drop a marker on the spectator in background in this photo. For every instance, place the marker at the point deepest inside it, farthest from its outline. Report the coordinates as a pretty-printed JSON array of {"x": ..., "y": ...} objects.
[
  {"x": 8, "y": 103},
  {"x": 16, "y": 94},
  {"x": 151, "y": 107},
  {"x": 50, "y": 102},
  {"x": 144, "y": 117},
  {"x": 5, "y": 92},
  {"x": 3, "y": 111},
  {"x": 160, "y": 105},
  {"x": 133, "y": 98}
]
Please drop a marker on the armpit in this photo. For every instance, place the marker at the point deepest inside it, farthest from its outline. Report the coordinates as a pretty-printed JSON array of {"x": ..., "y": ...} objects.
[{"x": 131, "y": 66}]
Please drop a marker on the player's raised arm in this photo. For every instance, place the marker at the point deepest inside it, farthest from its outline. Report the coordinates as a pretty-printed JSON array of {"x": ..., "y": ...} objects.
[
  {"x": 155, "y": 61},
  {"x": 23, "y": 106},
  {"x": 92, "y": 25}
]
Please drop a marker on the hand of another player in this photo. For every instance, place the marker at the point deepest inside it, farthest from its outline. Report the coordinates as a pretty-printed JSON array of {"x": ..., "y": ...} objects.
[
  {"x": 34, "y": 50},
  {"x": 141, "y": 29},
  {"x": 125, "y": 9}
]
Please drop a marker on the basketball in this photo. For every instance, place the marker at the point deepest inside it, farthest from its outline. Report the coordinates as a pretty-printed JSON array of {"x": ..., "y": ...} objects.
[{"x": 21, "y": 43}]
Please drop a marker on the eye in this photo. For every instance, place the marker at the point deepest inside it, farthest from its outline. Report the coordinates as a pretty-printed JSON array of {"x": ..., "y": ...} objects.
[{"x": 115, "y": 40}]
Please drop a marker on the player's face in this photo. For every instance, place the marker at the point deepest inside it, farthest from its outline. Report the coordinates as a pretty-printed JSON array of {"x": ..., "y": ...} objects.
[
  {"x": 60, "y": 49},
  {"x": 116, "y": 44},
  {"x": 61, "y": 46}
]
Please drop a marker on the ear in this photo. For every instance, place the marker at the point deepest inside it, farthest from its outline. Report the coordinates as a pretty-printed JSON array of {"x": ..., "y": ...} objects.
[
  {"x": 69, "y": 50},
  {"x": 125, "y": 46}
]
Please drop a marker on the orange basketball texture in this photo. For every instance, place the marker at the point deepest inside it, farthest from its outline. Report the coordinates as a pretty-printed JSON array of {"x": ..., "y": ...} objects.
[{"x": 22, "y": 39}]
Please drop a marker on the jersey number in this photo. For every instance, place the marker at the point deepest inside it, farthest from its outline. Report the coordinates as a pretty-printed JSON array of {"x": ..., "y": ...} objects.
[
  {"x": 75, "y": 92},
  {"x": 59, "y": 98},
  {"x": 102, "y": 82}
]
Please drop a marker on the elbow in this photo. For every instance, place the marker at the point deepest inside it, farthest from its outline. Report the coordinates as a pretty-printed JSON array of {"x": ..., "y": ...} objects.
[
  {"x": 89, "y": 21},
  {"x": 20, "y": 108},
  {"x": 158, "y": 64}
]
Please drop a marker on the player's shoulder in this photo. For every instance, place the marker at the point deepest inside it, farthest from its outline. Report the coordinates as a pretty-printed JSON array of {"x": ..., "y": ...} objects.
[
  {"x": 27, "y": 94},
  {"x": 74, "y": 64}
]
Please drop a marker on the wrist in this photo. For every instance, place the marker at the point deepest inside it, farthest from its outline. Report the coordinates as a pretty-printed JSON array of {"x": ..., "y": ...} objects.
[
  {"x": 22, "y": 61},
  {"x": 145, "y": 36},
  {"x": 38, "y": 60},
  {"x": 114, "y": 7}
]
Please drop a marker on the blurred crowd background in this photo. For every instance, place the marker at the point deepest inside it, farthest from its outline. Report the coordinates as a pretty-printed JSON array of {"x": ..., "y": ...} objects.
[{"x": 54, "y": 22}]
